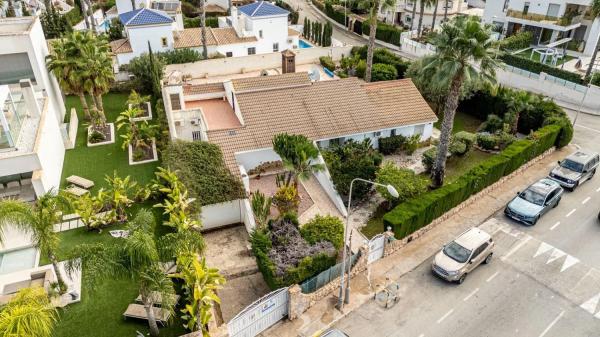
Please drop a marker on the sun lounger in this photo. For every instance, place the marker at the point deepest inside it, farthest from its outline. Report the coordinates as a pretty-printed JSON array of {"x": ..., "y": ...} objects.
[
  {"x": 81, "y": 182},
  {"x": 157, "y": 297},
  {"x": 119, "y": 233},
  {"x": 77, "y": 191},
  {"x": 138, "y": 311}
]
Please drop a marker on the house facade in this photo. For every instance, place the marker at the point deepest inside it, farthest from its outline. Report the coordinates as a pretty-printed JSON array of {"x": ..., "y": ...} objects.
[
  {"x": 552, "y": 23},
  {"x": 402, "y": 14},
  {"x": 256, "y": 28}
]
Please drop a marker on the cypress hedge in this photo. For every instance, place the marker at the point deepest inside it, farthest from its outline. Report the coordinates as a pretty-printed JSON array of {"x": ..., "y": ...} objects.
[{"x": 413, "y": 214}]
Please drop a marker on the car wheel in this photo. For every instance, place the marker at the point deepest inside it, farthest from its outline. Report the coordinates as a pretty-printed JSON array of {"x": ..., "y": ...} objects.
[
  {"x": 575, "y": 186},
  {"x": 557, "y": 202},
  {"x": 535, "y": 220},
  {"x": 488, "y": 259},
  {"x": 462, "y": 278}
]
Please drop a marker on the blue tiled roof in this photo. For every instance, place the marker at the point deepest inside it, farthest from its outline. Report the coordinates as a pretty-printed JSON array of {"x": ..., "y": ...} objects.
[
  {"x": 144, "y": 16},
  {"x": 262, "y": 8}
]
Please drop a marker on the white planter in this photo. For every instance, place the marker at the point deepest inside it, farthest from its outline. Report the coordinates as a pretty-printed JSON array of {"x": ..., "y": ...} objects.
[
  {"x": 145, "y": 118},
  {"x": 154, "y": 155},
  {"x": 108, "y": 141}
]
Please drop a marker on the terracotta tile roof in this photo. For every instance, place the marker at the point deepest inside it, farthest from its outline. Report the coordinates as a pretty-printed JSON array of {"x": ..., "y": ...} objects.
[
  {"x": 322, "y": 110},
  {"x": 121, "y": 46},
  {"x": 206, "y": 88},
  {"x": 293, "y": 32},
  {"x": 192, "y": 37},
  {"x": 271, "y": 82}
]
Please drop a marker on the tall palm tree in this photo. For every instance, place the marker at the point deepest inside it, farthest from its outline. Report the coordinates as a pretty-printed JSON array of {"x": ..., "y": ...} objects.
[
  {"x": 137, "y": 258},
  {"x": 413, "y": 14},
  {"x": 39, "y": 220},
  {"x": 99, "y": 74},
  {"x": 446, "y": 10},
  {"x": 374, "y": 7},
  {"x": 202, "y": 4},
  {"x": 520, "y": 101},
  {"x": 464, "y": 53},
  {"x": 29, "y": 313},
  {"x": 298, "y": 154},
  {"x": 201, "y": 284},
  {"x": 422, "y": 5},
  {"x": 595, "y": 11},
  {"x": 435, "y": 10}
]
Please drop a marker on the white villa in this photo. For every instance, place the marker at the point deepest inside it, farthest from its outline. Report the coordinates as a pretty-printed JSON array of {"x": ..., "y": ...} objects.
[
  {"x": 552, "y": 23},
  {"x": 257, "y": 28},
  {"x": 402, "y": 13}
]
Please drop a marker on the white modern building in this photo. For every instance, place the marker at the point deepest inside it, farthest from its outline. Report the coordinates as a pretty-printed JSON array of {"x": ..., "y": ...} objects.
[
  {"x": 256, "y": 28},
  {"x": 553, "y": 23},
  {"x": 403, "y": 13}
]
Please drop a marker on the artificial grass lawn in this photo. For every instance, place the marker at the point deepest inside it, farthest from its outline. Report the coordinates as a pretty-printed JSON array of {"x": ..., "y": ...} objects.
[
  {"x": 100, "y": 313},
  {"x": 455, "y": 167},
  {"x": 96, "y": 162},
  {"x": 536, "y": 57},
  {"x": 462, "y": 122}
]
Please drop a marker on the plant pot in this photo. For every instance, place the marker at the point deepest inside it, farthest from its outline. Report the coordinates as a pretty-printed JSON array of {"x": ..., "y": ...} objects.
[
  {"x": 109, "y": 133},
  {"x": 144, "y": 161},
  {"x": 147, "y": 112}
]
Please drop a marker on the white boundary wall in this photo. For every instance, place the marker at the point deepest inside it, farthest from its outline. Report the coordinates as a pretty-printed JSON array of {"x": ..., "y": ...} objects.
[{"x": 227, "y": 213}]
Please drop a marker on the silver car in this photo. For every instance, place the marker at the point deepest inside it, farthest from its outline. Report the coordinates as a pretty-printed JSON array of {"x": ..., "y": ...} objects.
[
  {"x": 529, "y": 205},
  {"x": 575, "y": 169}
]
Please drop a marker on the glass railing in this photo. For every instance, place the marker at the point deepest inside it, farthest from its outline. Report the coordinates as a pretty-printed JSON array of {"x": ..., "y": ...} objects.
[{"x": 12, "y": 115}]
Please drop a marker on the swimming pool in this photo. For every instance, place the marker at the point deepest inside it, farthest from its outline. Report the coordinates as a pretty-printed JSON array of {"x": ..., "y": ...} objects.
[
  {"x": 16, "y": 260},
  {"x": 303, "y": 44}
]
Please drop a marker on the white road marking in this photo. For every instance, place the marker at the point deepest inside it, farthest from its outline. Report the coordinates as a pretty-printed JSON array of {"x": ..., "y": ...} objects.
[
  {"x": 569, "y": 262},
  {"x": 471, "y": 294},
  {"x": 585, "y": 200},
  {"x": 552, "y": 324},
  {"x": 585, "y": 127},
  {"x": 445, "y": 316},
  {"x": 571, "y": 212},
  {"x": 591, "y": 304},
  {"x": 515, "y": 248},
  {"x": 422, "y": 335},
  {"x": 492, "y": 277},
  {"x": 556, "y": 254},
  {"x": 543, "y": 248},
  {"x": 598, "y": 189},
  {"x": 555, "y": 225}
]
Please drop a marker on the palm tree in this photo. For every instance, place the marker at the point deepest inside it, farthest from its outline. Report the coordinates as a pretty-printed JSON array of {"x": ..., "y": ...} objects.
[
  {"x": 29, "y": 313},
  {"x": 137, "y": 258},
  {"x": 201, "y": 284},
  {"x": 423, "y": 4},
  {"x": 435, "y": 9},
  {"x": 464, "y": 53},
  {"x": 99, "y": 74},
  {"x": 446, "y": 11},
  {"x": 39, "y": 220},
  {"x": 298, "y": 154},
  {"x": 374, "y": 7},
  {"x": 413, "y": 14},
  {"x": 519, "y": 101},
  {"x": 595, "y": 12},
  {"x": 203, "y": 28}
]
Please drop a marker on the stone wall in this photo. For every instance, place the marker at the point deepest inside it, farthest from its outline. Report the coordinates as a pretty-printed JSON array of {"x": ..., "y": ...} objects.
[
  {"x": 392, "y": 246},
  {"x": 300, "y": 302}
]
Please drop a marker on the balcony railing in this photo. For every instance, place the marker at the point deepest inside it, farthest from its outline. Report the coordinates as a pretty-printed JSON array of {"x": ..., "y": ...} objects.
[{"x": 532, "y": 17}]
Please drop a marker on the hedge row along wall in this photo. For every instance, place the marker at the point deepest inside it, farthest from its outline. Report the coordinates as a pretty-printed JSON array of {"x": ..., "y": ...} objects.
[
  {"x": 413, "y": 214},
  {"x": 536, "y": 67}
]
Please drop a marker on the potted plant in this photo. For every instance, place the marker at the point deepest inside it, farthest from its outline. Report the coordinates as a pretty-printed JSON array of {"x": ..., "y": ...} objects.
[
  {"x": 142, "y": 103},
  {"x": 138, "y": 137}
]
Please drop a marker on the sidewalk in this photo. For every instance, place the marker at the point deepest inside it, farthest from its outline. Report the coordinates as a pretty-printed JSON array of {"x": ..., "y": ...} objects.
[{"x": 323, "y": 314}]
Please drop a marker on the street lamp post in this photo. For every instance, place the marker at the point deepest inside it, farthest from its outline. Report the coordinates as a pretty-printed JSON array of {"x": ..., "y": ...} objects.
[
  {"x": 581, "y": 104},
  {"x": 344, "y": 296}
]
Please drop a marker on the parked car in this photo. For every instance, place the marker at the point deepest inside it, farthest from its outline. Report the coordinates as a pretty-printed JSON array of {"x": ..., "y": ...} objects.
[
  {"x": 529, "y": 205},
  {"x": 333, "y": 333},
  {"x": 463, "y": 255},
  {"x": 575, "y": 169}
]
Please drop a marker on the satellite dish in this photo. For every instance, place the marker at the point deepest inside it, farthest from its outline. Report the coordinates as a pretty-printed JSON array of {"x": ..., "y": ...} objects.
[{"x": 314, "y": 74}]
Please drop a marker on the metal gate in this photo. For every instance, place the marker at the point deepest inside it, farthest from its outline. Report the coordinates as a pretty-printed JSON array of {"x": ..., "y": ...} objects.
[
  {"x": 376, "y": 248},
  {"x": 260, "y": 315}
]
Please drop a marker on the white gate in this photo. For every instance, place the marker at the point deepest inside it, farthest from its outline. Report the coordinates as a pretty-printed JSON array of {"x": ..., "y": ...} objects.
[
  {"x": 376, "y": 248},
  {"x": 260, "y": 315}
]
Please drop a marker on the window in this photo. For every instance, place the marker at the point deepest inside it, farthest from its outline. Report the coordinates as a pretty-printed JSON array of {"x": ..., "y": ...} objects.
[
  {"x": 164, "y": 42},
  {"x": 419, "y": 129},
  {"x": 175, "y": 102},
  {"x": 408, "y": 19},
  {"x": 275, "y": 47},
  {"x": 376, "y": 133},
  {"x": 229, "y": 54},
  {"x": 15, "y": 67},
  {"x": 479, "y": 250},
  {"x": 526, "y": 8},
  {"x": 251, "y": 51},
  {"x": 393, "y": 132},
  {"x": 260, "y": 34},
  {"x": 553, "y": 10}
]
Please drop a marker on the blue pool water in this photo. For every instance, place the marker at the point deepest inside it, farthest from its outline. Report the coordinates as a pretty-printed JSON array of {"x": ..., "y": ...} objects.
[
  {"x": 304, "y": 44},
  {"x": 17, "y": 260}
]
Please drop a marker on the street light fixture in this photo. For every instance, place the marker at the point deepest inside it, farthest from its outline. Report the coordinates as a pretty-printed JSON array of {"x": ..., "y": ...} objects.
[{"x": 344, "y": 296}]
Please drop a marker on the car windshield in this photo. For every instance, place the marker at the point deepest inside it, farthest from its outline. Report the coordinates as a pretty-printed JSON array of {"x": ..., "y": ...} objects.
[
  {"x": 571, "y": 165},
  {"x": 457, "y": 252},
  {"x": 532, "y": 197}
]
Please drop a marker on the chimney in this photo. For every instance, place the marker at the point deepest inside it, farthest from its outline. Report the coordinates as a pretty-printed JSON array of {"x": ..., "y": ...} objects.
[
  {"x": 288, "y": 62},
  {"x": 33, "y": 108}
]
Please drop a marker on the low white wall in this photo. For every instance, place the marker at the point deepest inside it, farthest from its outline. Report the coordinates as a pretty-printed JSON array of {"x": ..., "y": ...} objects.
[
  {"x": 236, "y": 65},
  {"x": 248, "y": 216},
  {"x": 222, "y": 214},
  {"x": 251, "y": 159},
  {"x": 324, "y": 178}
]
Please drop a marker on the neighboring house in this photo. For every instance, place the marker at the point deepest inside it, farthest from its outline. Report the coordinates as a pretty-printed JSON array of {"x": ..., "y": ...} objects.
[
  {"x": 256, "y": 28},
  {"x": 402, "y": 14},
  {"x": 554, "y": 24},
  {"x": 242, "y": 115}
]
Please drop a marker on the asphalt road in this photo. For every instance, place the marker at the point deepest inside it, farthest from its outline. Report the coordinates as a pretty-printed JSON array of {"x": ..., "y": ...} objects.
[{"x": 544, "y": 280}]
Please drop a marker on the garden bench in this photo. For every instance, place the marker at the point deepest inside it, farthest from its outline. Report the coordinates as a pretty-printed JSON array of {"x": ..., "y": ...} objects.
[
  {"x": 81, "y": 182},
  {"x": 76, "y": 191},
  {"x": 157, "y": 299},
  {"x": 138, "y": 311}
]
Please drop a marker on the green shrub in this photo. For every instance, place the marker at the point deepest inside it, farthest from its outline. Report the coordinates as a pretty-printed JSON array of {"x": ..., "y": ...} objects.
[
  {"x": 595, "y": 80},
  {"x": 492, "y": 124},
  {"x": 178, "y": 56},
  {"x": 339, "y": 17},
  {"x": 429, "y": 158},
  {"x": 457, "y": 147},
  {"x": 405, "y": 181},
  {"x": 466, "y": 137},
  {"x": 520, "y": 40},
  {"x": 486, "y": 141},
  {"x": 537, "y": 67},
  {"x": 327, "y": 62},
  {"x": 385, "y": 32},
  {"x": 566, "y": 129},
  {"x": 327, "y": 228},
  {"x": 382, "y": 55},
  {"x": 383, "y": 72},
  {"x": 412, "y": 144},
  {"x": 361, "y": 69},
  {"x": 294, "y": 15},
  {"x": 211, "y": 21},
  {"x": 389, "y": 145}
]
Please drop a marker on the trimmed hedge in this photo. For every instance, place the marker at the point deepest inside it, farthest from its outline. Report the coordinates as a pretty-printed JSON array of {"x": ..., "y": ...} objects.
[
  {"x": 382, "y": 55},
  {"x": 413, "y": 214},
  {"x": 383, "y": 72},
  {"x": 537, "y": 67},
  {"x": 521, "y": 40},
  {"x": 389, "y": 145},
  {"x": 385, "y": 32},
  {"x": 339, "y": 17}
]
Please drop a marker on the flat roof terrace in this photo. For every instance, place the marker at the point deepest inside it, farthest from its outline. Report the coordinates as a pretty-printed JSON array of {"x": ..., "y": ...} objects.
[{"x": 218, "y": 114}]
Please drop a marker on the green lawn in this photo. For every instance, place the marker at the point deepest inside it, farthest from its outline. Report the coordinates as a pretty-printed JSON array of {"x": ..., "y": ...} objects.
[
  {"x": 536, "y": 57},
  {"x": 95, "y": 162},
  {"x": 462, "y": 122}
]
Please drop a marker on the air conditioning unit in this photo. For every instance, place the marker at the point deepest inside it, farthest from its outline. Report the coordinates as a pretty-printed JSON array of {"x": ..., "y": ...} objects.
[{"x": 194, "y": 121}]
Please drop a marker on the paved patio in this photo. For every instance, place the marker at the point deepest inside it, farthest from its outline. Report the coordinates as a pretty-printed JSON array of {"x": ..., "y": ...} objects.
[
  {"x": 218, "y": 113},
  {"x": 229, "y": 250},
  {"x": 266, "y": 184}
]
